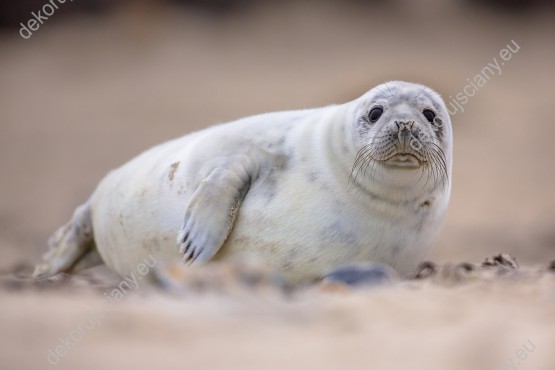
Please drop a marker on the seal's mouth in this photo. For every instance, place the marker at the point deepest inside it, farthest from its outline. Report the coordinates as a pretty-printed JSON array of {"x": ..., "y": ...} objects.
[{"x": 403, "y": 160}]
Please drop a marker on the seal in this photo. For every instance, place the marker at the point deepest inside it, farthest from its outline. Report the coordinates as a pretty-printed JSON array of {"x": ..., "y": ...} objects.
[{"x": 303, "y": 191}]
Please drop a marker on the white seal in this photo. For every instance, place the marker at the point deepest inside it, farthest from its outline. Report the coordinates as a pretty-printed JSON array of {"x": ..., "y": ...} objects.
[{"x": 303, "y": 191}]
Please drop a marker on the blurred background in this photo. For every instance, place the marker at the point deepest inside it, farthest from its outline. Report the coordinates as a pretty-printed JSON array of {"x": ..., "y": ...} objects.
[
  {"x": 101, "y": 80},
  {"x": 92, "y": 83}
]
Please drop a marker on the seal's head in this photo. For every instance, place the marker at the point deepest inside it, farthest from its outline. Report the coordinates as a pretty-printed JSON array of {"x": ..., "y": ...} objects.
[{"x": 403, "y": 136}]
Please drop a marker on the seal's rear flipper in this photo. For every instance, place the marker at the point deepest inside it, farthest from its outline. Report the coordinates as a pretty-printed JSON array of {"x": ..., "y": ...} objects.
[{"x": 72, "y": 247}]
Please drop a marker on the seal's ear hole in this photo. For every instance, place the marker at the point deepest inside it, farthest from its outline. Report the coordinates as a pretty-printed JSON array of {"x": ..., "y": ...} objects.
[
  {"x": 429, "y": 114},
  {"x": 375, "y": 114}
]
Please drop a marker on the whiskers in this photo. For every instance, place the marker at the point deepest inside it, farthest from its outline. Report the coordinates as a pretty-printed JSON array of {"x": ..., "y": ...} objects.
[
  {"x": 437, "y": 164},
  {"x": 367, "y": 162},
  {"x": 369, "y": 157},
  {"x": 363, "y": 160}
]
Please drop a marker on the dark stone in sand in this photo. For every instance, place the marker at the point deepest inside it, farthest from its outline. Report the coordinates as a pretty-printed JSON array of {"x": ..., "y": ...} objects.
[{"x": 358, "y": 275}]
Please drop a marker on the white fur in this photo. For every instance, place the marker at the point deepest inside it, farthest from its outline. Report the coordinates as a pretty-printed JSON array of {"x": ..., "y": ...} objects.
[{"x": 300, "y": 214}]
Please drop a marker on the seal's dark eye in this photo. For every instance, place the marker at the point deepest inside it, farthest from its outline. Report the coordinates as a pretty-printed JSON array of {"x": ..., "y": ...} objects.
[
  {"x": 429, "y": 114},
  {"x": 375, "y": 114}
]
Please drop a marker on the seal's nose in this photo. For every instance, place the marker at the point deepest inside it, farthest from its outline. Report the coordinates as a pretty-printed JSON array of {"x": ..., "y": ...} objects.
[
  {"x": 404, "y": 125},
  {"x": 404, "y": 133}
]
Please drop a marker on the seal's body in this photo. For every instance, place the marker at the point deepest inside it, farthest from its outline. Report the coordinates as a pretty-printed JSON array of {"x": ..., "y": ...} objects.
[{"x": 303, "y": 191}]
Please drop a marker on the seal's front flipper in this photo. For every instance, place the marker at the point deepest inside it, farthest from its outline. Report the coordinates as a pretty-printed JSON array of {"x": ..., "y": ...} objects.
[{"x": 213, "y": 207}]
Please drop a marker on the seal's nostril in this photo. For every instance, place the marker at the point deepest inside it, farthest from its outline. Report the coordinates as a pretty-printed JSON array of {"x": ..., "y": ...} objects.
[
  {"x": 404, "y": 125},
  {"x": 401, "y": 125}
]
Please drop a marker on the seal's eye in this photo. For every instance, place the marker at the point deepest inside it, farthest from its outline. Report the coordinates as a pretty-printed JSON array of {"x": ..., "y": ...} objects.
[
  {"x": 429, "y": 114},
  {"x": 375, "y": 114}
]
